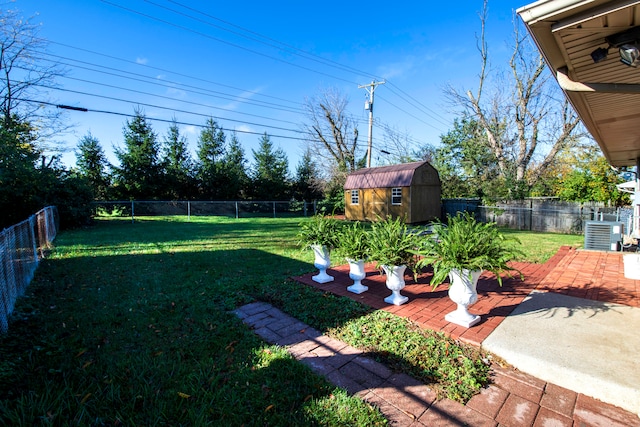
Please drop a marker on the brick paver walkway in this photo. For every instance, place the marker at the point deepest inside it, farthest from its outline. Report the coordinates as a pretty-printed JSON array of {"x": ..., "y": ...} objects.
[{"x": 513, "y": 399}]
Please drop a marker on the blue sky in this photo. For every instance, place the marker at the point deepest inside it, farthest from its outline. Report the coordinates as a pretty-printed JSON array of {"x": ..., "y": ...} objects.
[{"x": 251, "y": 64}]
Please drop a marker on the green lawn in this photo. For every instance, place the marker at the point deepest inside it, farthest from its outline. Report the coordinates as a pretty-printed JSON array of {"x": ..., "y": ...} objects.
[
  {"x": 539, "y": 247},
  {"x": 131, "y": 324}
]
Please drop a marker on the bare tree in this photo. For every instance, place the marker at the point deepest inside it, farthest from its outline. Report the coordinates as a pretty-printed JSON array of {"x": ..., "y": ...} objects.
[
  {"x": 331, "y": 132},
  {"x": 24, "y": 77},
  {"x": 525, "y": 123},
  {"x": 398, "y": 147}
]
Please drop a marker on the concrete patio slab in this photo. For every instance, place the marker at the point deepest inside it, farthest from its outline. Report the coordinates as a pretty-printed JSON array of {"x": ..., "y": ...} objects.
[{"x": 587, "y": 346}]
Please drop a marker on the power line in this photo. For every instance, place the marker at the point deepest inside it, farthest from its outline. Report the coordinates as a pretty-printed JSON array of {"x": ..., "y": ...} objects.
[
  {"x": 289, "y": 48},
  {"x": 304, "y": 54},
  {"x": 401, "y": 94},
  {"x": 165, "y": 83},
  {"x": 82, "y": 109},
  {"x": 412, "y": 115},
  {"x": 428, "y": 111},
  {"x": 165, "y": 108},
  {"x": 395, "y": 89},
  {"x": 164, "y": 70},
  {"x": 263, "y": 104},
  {"x": 219, "y": 40},
  {"x": 412, "y": 141},
  {"x": 198, "y": 104}
]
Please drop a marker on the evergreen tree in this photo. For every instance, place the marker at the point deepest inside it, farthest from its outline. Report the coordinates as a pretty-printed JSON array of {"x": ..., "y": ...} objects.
[
  {"x": 307, "y": 185},
  {"x": 19, "y": 185},
  {"x": 71, "y": 193},
  {"x": 139, "y": 174},
  {"x": 177, "y": 165},
  {"x": 234, "y": 174},
  {"x": 210, "y": 154},
  {"x": 92, "y": 165},
  {"x": 269, "y": 177}
]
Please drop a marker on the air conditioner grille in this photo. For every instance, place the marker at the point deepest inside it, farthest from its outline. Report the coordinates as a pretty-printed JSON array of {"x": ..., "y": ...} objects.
[{"x": 602, "y": 235}]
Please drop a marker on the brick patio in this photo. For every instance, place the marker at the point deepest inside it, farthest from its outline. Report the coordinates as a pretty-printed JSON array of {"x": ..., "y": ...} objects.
[{"x": 586, "y": 274}]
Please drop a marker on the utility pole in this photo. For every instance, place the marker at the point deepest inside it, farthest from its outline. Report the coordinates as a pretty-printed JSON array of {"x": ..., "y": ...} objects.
[{"x": 368, "y": 105}]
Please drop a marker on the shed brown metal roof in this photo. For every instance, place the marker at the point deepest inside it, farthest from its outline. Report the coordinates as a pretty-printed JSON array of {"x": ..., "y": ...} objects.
[{"x": 383, "y": 177}]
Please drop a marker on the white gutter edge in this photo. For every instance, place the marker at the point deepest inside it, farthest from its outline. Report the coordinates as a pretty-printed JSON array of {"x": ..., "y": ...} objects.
[{"x": 543, "y": 9}]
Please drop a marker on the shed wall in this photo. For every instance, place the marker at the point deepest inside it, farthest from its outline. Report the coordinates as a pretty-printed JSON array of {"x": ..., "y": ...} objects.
[
  {"x": 374, "y": 202},
  {"x": 426, "y": 204}
]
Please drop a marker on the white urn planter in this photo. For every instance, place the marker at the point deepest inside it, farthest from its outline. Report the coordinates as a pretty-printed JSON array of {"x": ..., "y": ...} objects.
[
  {"x": 395, "y": 282},
  {"x": 322, "y": 262},
  {"x": 357, "y": 273},
  {"x": 462, "y": 291}
]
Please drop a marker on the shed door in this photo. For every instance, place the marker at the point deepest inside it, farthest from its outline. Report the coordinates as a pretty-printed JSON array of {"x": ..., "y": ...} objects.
[{"x": 375, "y": 204}]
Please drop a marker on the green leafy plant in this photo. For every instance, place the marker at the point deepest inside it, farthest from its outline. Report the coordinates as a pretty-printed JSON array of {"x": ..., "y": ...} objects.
[
  {"x": 319, "y": 230},
  {"x": 392, "y": 243},
  {"x": 353, "y": 241},
  {"x": 466, "y": 244},
  {"x": 453, "y": 369}
]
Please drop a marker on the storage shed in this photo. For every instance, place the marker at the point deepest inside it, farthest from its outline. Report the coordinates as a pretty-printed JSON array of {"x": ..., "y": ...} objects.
[{"x": 410, "y": 190}]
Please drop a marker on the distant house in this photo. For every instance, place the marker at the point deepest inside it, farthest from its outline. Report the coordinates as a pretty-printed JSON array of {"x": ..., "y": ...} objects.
[{"x": 410, "y": 190}]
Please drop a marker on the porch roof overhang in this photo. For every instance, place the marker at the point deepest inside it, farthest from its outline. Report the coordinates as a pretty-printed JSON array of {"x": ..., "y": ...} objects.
[{"x": 606, "y": 94}]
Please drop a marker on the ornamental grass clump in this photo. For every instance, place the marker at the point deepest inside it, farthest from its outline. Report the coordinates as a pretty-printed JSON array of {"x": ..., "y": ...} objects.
[
  {"x": 392, "y": 243},
  {"x": 352, "y": 242},
  {"x": 466, "y": 244},
  {"x": 319, "y": 230}
]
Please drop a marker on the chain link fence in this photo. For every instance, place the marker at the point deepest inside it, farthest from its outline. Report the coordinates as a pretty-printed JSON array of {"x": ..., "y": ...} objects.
[
  {"x": 21, "y": 248},
  {"x": 237, "y": 209}
]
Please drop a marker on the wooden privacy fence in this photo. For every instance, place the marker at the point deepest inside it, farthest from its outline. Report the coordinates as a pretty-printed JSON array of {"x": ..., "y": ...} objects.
[{"x": 538, "y": 214}]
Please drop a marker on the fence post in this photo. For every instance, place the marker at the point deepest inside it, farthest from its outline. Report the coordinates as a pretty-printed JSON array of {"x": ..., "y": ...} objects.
[
  {"x": 5, "y": 303},
  {"x": 236, "y": 210},
  {"x": 132, "y": 214},
  {"x": 33, "y": 222},
  {"x": 274, "y": 209},
  {"x": 188, "y": 210},
  {"x": 46, "y": 226}
]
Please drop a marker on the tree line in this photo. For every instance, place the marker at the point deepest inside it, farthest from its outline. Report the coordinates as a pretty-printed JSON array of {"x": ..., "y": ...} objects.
[{"x": 151, "y": 167}]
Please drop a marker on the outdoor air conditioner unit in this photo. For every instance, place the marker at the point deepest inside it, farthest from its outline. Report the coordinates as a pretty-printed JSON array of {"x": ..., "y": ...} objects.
[{"x": 603, "y": 235}]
